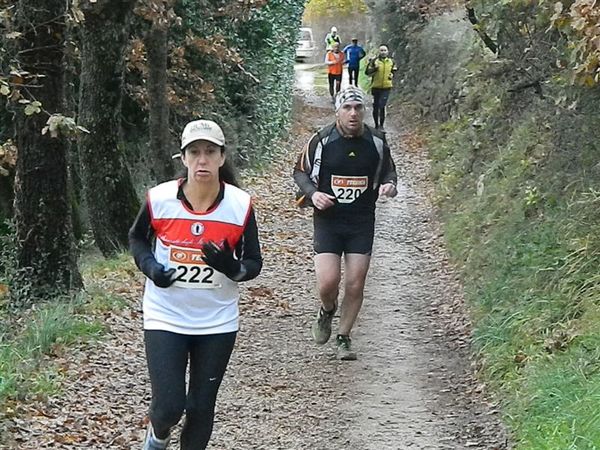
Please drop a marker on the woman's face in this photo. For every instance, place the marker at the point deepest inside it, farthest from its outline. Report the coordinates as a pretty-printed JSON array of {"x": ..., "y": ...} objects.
[{"x": 203, "y": 160}]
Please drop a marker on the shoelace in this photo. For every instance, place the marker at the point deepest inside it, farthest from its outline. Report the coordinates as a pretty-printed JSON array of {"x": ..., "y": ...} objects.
[
  {"x": 344, "y": 342},
  {"x": 328, "y": 313}
]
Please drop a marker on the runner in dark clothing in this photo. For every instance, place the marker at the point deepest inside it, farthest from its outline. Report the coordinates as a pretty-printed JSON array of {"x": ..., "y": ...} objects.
[{"x": 341, "y": 172}]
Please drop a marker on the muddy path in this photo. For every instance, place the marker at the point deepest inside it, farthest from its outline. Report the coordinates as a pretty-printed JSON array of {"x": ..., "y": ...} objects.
[{"x": 411, "y": 387}]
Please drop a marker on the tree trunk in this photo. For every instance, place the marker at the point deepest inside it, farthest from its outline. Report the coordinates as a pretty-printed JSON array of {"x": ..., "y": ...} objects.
[
  {"x": 75, "y": 183},
  {"x": 108, "y": 187},
  {"x": 46, "y": 258},
  {"x": 160, "y": 142}
]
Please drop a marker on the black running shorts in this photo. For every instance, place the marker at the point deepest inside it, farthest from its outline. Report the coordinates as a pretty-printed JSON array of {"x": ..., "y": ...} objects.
[{"x": 336, "y": 236}]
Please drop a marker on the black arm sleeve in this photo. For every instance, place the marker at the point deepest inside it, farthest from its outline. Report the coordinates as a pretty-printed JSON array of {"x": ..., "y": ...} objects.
[
  {"x": 388, "y": 170},
  {"x": 248, "y": 250},
  {"x": 140, "y": 240}
]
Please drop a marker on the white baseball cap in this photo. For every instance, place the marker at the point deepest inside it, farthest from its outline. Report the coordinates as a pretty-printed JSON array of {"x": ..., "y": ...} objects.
[
  {"x": 202, "y": 130},
  {"x": 333, "y": 29}
]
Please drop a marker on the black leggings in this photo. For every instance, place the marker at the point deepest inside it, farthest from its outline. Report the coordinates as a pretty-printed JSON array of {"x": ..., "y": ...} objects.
[
  {"x": 167, "y": 356},
  {"x": 335, "y": 81},
  {"x": 353, "y": 75},
  {"x": 380, "y": 98}
]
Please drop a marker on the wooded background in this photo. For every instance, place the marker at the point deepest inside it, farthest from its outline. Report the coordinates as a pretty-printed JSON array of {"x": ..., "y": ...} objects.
[{"x": 95, "y": 95}]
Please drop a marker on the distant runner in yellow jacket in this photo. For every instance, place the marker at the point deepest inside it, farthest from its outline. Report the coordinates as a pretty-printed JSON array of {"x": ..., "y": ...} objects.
[
  {"x": 331, "y": 38},
  {"x": 381, "y": 70}
]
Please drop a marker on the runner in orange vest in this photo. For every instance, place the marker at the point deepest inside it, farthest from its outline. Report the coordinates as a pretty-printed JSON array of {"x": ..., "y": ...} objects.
[{"x": 334, "y": 59}]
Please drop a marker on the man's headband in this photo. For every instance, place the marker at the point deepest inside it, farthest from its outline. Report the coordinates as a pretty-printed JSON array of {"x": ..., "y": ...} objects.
[{"x": 349, "y": 94}]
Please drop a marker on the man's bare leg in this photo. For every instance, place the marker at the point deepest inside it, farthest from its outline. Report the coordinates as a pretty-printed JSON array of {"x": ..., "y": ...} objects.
[{"x": 328, "y": 273}]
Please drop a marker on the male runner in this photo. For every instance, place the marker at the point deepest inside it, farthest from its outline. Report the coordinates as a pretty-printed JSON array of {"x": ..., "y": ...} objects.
[{"x": 341, "y": 172}]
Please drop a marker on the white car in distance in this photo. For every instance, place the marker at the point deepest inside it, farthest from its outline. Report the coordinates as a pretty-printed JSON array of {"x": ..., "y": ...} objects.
[{"x": 305, "y": 48}]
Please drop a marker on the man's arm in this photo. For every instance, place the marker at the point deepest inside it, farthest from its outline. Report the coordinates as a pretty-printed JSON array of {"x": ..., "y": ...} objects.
[
  {"x": 346, "y": 52},
  {"x": 388, "y": 170},
  {"x": 389, "y": 177},
  {"x": 311, "y": 196},
  {"x": 304, "y": 166}
]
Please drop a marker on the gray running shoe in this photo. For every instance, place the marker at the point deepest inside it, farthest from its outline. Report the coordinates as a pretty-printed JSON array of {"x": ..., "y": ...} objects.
[
  {"x": 153, "y": 443},
  {"x": 321, "y": 329},
  {"x": 344, "y": 348}
]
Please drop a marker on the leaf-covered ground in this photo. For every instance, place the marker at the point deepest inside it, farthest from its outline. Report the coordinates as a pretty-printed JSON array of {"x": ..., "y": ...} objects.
[{"x": 410, "y": 388}]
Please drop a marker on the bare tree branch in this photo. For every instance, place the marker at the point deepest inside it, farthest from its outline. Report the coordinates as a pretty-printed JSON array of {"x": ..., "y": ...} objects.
[{"x": 488, "y": 41}]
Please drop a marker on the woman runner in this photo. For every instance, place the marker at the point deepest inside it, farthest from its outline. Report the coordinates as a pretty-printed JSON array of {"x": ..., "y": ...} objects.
[{"x": 206, "y": 241}]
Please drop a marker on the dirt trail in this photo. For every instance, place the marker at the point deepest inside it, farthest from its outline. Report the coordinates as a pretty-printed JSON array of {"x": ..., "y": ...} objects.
[{"x": 409, "y": 389}]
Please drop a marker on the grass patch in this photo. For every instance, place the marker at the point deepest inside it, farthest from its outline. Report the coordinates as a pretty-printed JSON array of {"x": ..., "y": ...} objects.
[
  {"x": 520, "y": 207},
  {"x": 30, "y": 342},
  {"x": 50, "y": 326}
]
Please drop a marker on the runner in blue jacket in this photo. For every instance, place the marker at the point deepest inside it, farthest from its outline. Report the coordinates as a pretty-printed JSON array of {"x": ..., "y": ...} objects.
[{"x": 354, "y": 53}]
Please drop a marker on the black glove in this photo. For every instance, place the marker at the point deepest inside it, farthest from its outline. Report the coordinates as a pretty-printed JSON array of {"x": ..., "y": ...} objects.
[
  {"x": 221, "y": 259},
  {"x": 157, "y": 273}
]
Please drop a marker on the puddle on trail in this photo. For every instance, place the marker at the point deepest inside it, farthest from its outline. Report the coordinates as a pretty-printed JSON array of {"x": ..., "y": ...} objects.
[
  {"x": 310, "y": 77},
  {"x": 311, "y": 83}
]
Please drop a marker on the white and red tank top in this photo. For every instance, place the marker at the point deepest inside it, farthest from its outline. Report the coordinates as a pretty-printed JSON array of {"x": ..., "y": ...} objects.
[{"x": 202, "y": 300}]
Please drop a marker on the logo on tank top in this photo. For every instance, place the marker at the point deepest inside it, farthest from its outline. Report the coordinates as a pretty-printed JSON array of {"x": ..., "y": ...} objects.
[{"x": 197, "y": 228}]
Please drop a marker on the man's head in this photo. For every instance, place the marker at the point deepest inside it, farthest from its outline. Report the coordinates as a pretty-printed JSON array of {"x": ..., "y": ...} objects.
[
  {"x": 333, "y": 30},
  {"x": 350, "y": 110},
  {"x": 335, "y": 47},
  {"x": 383, "y": 51},
  {"x": 355, "y": 41}
]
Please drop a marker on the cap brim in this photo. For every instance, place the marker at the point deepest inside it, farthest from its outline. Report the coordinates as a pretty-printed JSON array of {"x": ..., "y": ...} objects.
[{"x": 209, "y": 139}]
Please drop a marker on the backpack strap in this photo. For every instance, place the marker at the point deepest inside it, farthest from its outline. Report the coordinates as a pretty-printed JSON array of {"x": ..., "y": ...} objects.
[{"x": 323, "y": 135}]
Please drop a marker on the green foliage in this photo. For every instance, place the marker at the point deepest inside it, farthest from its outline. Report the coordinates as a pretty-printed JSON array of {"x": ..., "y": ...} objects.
[
  {"x": 21, "y": 352},
  {"x": 580, "y": 21},
  {"x": 272, "y": 62},
  {"x": 517, "y": 183},
  {"x": 526, "y": 32},
  {"x": 333, "y": 8},
  {"x": 8, "y": 263},
  {"x": 252, "y": 98},
  {"x": 58, "y": 124}
]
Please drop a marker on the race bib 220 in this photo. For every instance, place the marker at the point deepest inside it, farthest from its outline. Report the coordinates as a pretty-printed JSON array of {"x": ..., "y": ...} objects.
[{"x": 348, "y": 188}]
